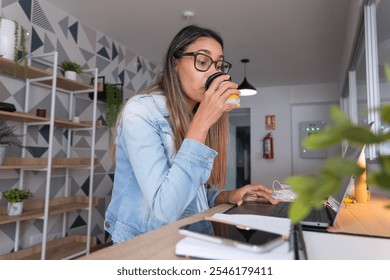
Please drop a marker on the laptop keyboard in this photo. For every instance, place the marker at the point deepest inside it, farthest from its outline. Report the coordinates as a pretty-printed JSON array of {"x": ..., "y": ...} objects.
[
  {"x": 317, "y": 215},
  {"x": 280, "y": 210}
]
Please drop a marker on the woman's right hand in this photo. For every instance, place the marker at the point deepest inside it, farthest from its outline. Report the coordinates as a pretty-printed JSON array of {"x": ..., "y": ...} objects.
[
  {"x": 212, "y": 107},
  {"x": 252, "y": 192}
]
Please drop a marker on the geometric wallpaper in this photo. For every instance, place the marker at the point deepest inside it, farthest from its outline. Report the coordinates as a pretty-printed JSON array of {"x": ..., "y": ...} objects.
[{"x": 50, "y": 29}]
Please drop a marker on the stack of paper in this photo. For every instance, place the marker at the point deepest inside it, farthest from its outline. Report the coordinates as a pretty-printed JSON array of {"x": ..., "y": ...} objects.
[{"x": 194, "y": 247}]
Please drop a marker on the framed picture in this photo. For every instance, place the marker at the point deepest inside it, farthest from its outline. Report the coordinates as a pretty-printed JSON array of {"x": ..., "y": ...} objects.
[{"x": 270, "y": 122}]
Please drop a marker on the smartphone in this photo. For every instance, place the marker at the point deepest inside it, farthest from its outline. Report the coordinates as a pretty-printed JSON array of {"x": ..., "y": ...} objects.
[{"x": 244, "y": 238}]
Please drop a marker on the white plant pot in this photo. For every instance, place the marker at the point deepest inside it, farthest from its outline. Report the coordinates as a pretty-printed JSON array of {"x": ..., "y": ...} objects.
[
  {"x": 3, "y": 148},
  {"x": 71, "y": 75},
  {"x": 15, "y": 209},
  {"x": 7, "y": 38}
]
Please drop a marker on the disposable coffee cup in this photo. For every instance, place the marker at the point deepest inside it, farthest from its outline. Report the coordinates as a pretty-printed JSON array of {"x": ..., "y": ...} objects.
[{"x": 233, "y": 99}]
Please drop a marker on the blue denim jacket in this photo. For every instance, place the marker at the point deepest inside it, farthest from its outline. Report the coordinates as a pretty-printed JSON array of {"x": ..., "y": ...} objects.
[{"x": 153, "y": 185}]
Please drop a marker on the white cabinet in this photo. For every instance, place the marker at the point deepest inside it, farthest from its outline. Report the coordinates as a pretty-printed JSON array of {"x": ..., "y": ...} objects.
[{"x": 69, "y": 246}]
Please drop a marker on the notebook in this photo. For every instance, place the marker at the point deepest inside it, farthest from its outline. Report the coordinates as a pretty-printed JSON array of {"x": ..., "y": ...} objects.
[{"x": 318, "y": 219}]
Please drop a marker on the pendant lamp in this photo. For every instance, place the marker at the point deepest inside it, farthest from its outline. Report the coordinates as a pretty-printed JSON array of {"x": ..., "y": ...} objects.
[{"x": 245, "y": 87}]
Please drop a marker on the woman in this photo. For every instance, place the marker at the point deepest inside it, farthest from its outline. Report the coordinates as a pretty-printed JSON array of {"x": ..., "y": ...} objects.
[{"x": 172, "y": 142}]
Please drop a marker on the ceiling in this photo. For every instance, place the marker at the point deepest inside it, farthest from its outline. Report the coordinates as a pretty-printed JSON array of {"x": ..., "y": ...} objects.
[{"x": 288, "y": 42}]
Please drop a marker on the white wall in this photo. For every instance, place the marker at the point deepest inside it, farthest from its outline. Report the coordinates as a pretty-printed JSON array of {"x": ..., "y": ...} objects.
[{"x": 289, "y": 104}]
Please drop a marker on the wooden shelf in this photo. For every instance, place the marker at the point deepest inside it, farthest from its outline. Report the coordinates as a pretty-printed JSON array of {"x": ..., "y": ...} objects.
[
  {"x": 25, "y": 117},
  {"x": 41, "y": 163},
  {"x": 7, "y": 66},
  {"x": 33, "y": 209},
  {"x": 55, "y": 250}
]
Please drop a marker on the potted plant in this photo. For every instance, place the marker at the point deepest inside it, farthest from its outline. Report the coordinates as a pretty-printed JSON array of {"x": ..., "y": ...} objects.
[
  {"x": 101, "y": 88},
  {"x": 7, "y": 138},
  {"x": 13, "y": 43},
  {"x": 114, "y": 99},
  {"x": 15, "y": 198},
  {"x": 70, "y": 69}
]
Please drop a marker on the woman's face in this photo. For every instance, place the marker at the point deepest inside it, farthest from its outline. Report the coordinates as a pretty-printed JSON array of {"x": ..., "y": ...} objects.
[{"x": 193, "y": 81}]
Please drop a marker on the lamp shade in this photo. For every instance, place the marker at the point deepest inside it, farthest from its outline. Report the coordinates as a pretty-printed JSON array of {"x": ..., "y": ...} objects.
[{"x": 245, "y": 87}]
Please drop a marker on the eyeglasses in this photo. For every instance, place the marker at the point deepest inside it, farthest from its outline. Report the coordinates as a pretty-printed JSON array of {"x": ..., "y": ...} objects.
[{"x": 203, "y": 62}]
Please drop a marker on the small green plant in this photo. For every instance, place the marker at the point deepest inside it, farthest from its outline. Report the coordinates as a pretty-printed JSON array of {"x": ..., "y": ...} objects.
[
  {"x": 68, "y": 65},
  {"x": 20, "y": 35},
  {"x": 7, "y": 135},
  {"x": 17, "y": 195},
  {"x": 19, "y": 30},
  {"x": 114, "y": 99}
]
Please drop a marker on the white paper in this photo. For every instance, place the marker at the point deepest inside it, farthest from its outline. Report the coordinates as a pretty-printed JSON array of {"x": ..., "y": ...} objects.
[{"x": 197, "y": 248}]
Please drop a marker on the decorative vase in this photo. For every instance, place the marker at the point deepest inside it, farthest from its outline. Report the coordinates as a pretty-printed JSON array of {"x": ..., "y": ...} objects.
[
  {"x": 71, "y": 75},
  {"x": 15, "y": 208},
  {"x": 3, "y": 148},
  {"x": 7, "y": 38}
]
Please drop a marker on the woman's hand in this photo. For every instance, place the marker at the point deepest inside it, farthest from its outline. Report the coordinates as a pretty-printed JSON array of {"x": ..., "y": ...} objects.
[
  {"x": 212, "y": 107},
  {"x": 255, "y": 192}
]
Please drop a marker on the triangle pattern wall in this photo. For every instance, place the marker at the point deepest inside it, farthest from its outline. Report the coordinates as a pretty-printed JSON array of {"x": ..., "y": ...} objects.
[{"x": 52, "y": 29}]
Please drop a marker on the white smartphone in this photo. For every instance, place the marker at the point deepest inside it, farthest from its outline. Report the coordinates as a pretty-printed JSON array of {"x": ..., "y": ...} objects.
[{"x": 244, "y": 238}]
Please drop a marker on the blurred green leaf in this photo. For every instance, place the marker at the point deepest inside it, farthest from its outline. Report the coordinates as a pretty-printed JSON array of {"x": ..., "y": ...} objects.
[
  {"x": 360, "y": 134},
  {"x": 339, "y": 167},
  {"x": 322, "y": 139},
  {"x": 298, "y": 210},
  {"x": 379, "y": 179},
  {"x": 385, "y": 163},
  {"x": 385, "y": 113},
  {"x": 382, "y": 177},
  {"x": 386, "y": 67},
  {"x": 339, "y": 118},
  {"x": 303, "y": 186},
  {"x": 325, "y": 187}
]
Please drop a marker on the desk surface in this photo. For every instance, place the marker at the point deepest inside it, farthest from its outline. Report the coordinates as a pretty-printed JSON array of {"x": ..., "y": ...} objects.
[{"x": 369, "y": 218}]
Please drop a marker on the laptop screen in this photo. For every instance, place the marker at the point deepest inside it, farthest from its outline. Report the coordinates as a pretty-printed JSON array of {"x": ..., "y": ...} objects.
[{"x": 352, "y": 154}]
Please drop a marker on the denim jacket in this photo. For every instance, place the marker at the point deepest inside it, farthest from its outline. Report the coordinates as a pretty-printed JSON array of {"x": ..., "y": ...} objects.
[{"x": 153, "y": 185}]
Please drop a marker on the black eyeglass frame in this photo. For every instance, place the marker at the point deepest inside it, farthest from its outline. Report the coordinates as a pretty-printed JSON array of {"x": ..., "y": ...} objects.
[{"x": 195, "y": 54}]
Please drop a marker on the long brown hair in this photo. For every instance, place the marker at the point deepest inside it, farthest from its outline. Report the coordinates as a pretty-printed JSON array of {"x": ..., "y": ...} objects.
[{"x": 180, "y": 115}]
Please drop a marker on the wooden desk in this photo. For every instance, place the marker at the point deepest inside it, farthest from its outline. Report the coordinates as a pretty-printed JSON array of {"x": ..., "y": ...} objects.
[
  {"x": 154, "y": 245},
  {"x": 370, "y": 218},
  {"x": 362, "y": 218}
]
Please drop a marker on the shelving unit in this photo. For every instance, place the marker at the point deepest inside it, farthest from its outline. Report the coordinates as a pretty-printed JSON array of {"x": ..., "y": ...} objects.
[{"x": 67, "y": 246}]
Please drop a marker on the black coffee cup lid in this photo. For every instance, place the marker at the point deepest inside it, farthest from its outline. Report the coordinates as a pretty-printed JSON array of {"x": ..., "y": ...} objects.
[{"x": 212, "y": 77}]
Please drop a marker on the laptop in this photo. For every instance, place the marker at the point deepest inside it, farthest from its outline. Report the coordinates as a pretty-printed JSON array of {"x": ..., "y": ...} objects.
[{"x": 318, "y": 219}]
